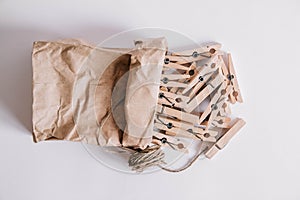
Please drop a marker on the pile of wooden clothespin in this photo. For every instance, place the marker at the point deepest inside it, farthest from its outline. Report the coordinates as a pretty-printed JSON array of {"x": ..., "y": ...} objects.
[{"x": 196, "y": 89}]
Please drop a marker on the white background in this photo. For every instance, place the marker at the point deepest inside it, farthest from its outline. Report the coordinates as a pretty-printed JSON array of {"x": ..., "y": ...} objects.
[{"x": 261, "y": 162}]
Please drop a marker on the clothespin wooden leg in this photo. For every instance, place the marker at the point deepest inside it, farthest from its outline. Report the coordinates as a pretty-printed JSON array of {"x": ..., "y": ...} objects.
[{"x": 220, "y": 144}]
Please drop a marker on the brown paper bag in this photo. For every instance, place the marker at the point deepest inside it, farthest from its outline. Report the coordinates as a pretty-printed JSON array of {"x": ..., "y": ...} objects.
[{"x": 73, "y": 83}]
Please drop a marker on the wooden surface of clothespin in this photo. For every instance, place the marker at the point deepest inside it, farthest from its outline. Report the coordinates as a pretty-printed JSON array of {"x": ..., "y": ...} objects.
[
  {"x": 205, "y": 92},
  {"x": 203, "y": 73},
  {"x": 217, "y": 101},
  {"x": 209, "y": 48},
  {"x": 190, "y": 72},
  {"x": 214, "y": 100},
  {"x": 172, "y": 142},
  {"x": 220, "y": 144},
  {"x": 222, "y": 122},
  {"x": 174, "y": 66},
  {"x": 187, "y": 117},
  {"x": 229, "y": 72},
  {"x": 181, "y": 129},
  {"x": 172, "y": 99}
]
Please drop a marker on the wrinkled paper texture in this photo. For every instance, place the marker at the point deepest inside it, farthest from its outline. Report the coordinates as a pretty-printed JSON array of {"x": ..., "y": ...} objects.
[{"x": 72, "y": 90}]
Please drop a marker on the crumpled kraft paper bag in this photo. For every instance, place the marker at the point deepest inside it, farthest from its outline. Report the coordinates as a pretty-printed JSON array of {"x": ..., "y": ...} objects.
[{"x": 61, "y": 111}]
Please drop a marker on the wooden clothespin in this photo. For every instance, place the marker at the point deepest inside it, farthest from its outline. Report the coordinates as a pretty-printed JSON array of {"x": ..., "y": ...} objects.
[
  {"x": 187, "y": 126},
  {"x": 203, "y": 73},
  {"x": 189, "y": 78},
  {"x": 214, "y": 101},
  {"x": 230, "y": 74},
  {"x": 225, "y": 109},
  {"x": 173, "y": 131},
  {"x": 192, "y": 72},
  {"x": 172, "y": 99},
  {"x": 204, "y": 51},
  {"x": 172, "y": 81},
  {"x": 178, "y": 59},
  {"x": 188, "y": 58},
  {"x": 181, "y": 115},
  {"x": 173, "y": 77},
  {"x": 182, "y": 129},
  {"x": 220, "y": 144},
  {"x": 217, "y": 101},
  {"x": 210, "y": 87},
  {"x": 166, "y": 140},
  {"x": 168, "y": 64},
  {"x": 221, "y": 122}
]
